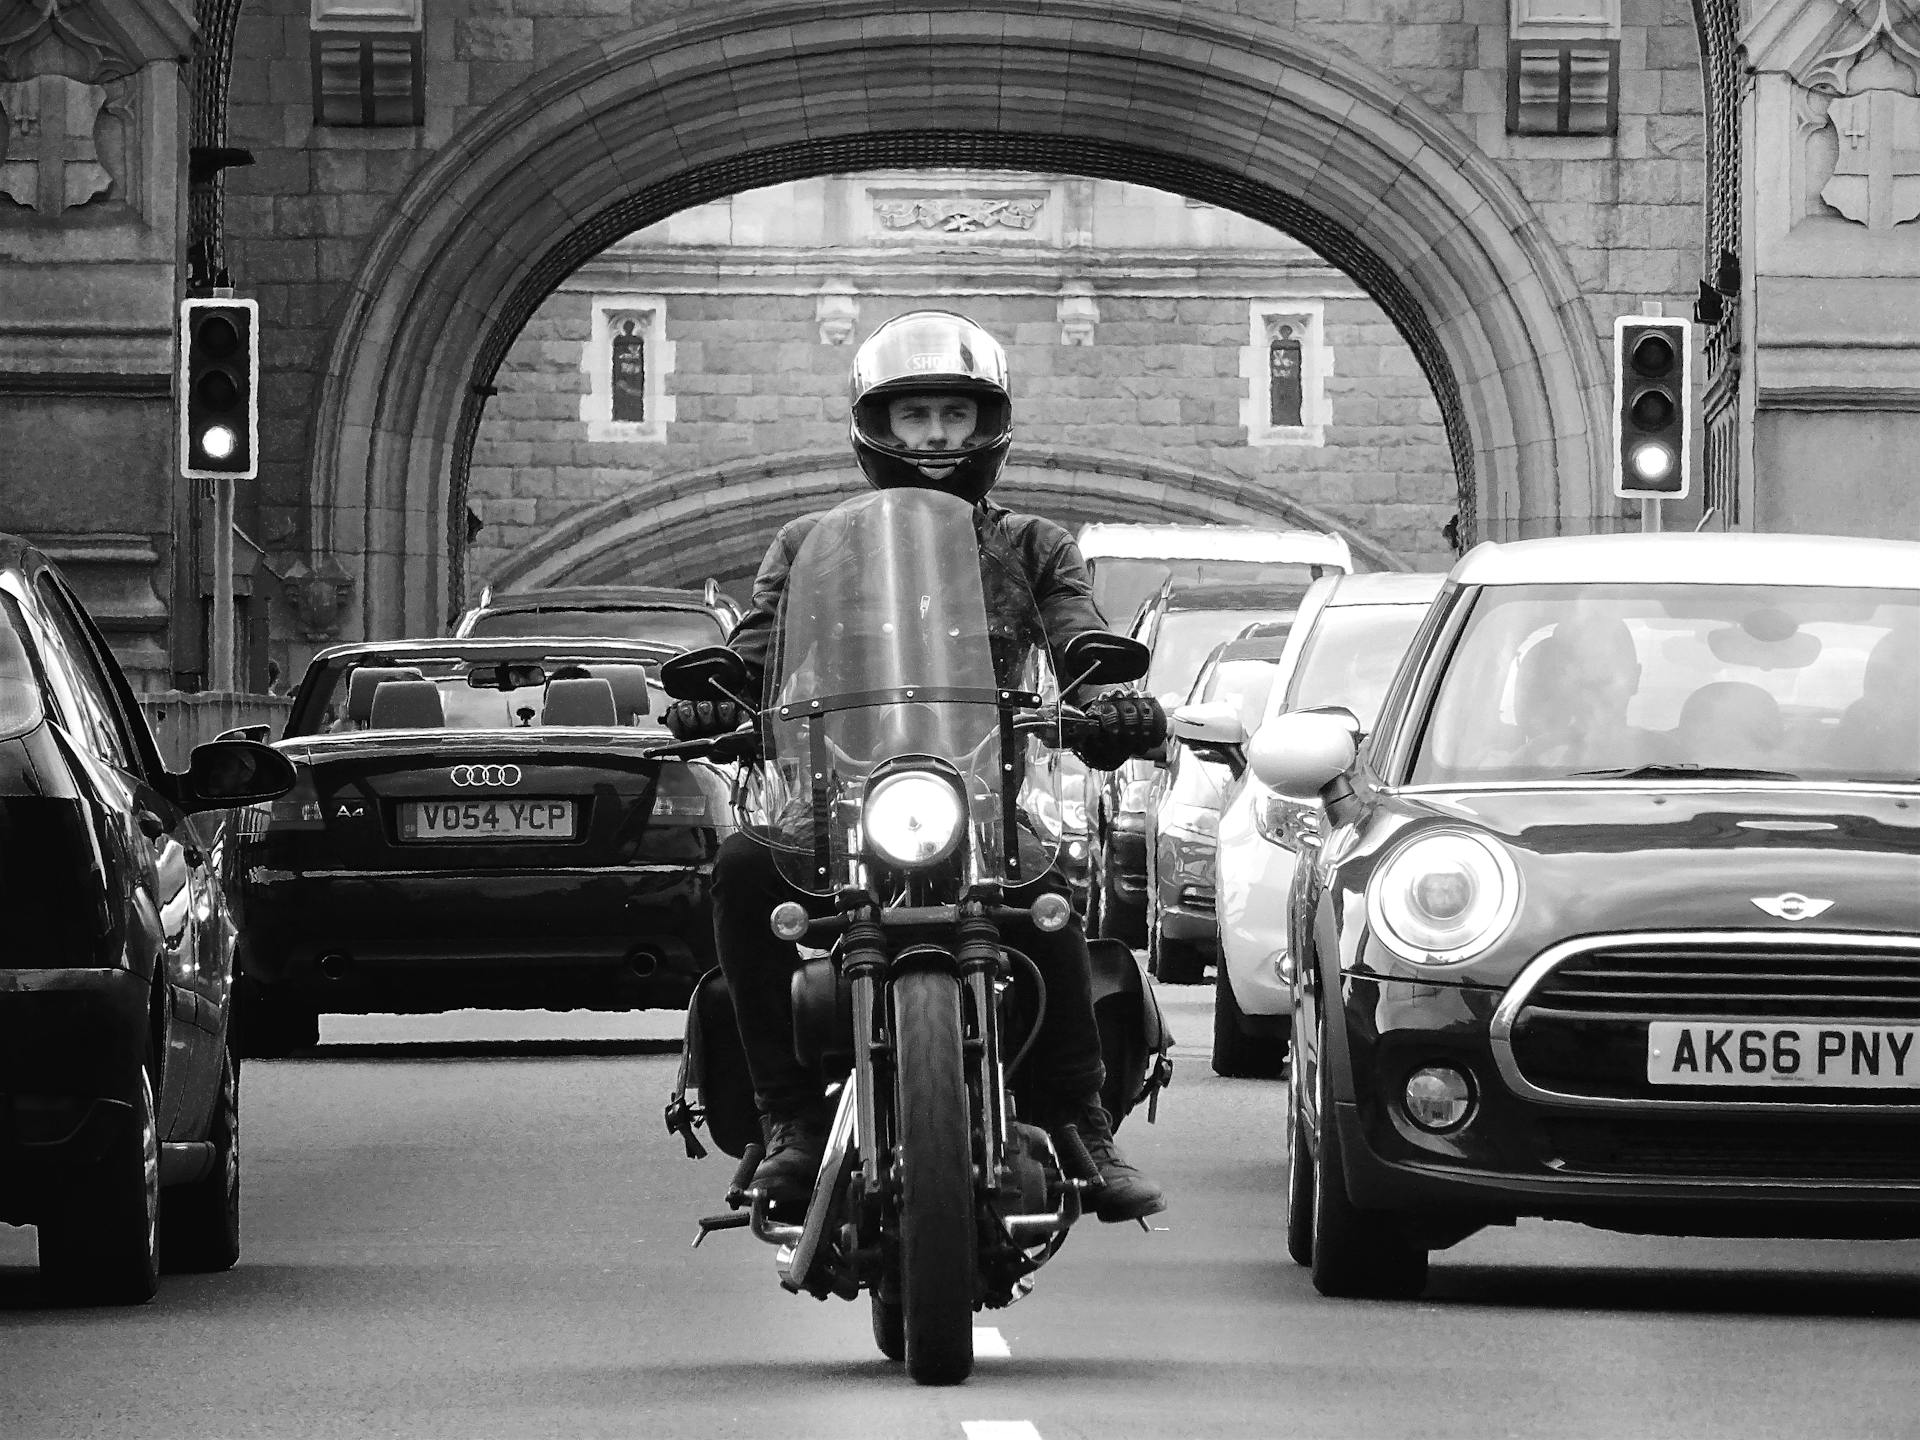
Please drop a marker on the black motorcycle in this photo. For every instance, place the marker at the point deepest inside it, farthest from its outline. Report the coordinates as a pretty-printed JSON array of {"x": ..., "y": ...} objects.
[{"x": 904, "y": 757}]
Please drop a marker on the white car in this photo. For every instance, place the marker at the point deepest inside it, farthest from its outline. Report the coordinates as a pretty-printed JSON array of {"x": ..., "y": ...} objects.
[{"x": 1343, "y": 650}]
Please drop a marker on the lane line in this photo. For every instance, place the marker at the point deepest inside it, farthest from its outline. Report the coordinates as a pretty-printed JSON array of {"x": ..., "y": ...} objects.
[
  {"x": 1000, "y": 1430},
  {"x": 989, "y": 1342}
]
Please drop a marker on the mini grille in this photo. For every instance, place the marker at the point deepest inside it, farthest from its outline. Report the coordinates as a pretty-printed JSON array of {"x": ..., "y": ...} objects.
[
  {"x": 1714, "y": 1149},
  {"x": 1658, "y": 983}
]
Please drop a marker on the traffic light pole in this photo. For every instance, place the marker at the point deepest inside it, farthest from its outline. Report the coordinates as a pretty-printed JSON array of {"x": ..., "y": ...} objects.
[{"x": 220, "y": 643}]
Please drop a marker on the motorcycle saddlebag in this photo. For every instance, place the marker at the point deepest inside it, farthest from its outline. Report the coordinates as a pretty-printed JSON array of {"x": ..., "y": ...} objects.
[
  {"x": 1134, "y": 1040},
  {"x": 713, "y": 1065}
]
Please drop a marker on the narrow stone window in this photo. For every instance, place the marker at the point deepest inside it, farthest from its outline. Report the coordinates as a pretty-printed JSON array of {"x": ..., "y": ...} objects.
[
  {"x": 1286, "y": 365},
  {"x": 1563, "y": 87},
  {"x": 627, "y": 359},
  {"x": 368, "y": 64}
]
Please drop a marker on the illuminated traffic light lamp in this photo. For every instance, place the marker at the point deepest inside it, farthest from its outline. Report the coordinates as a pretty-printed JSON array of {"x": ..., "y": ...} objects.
[
  {"x": 1652, "y": 389},
  {"x": 219, "y": 388}
]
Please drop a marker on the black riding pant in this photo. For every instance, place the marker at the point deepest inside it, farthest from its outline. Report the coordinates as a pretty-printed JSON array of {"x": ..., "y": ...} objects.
[{"x": 1062, "y": 1070}]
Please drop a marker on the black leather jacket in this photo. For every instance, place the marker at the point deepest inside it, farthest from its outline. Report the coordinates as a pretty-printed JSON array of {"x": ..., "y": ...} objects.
[{"x": 1047, "y": 554}]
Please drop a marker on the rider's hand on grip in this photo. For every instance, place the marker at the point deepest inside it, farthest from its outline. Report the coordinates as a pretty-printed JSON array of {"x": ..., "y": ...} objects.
[
  {"x": 700, "y": 719},
  {"x": 1123, "y": 726}
]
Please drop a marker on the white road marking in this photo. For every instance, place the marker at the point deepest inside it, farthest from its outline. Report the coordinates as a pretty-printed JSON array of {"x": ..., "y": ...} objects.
[
  {"x": 1000, "y": 1430},
  {"x": 989, "y": 1341}
]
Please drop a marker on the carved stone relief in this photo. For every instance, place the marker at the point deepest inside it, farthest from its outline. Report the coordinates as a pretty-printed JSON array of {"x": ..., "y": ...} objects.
[
  {"x": 959, "y": 214},
  {"x": 66, "y": 110},
  {"x": 1859, "y": 116}
]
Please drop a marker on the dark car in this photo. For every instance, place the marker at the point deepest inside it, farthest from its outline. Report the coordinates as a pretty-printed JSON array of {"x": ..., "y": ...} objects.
[
  {"x": 119, "y": 1100},
  {"x": 477, "y": 823},
  {"x": 1180, "y": 625},
  {"x": 686, "y": 618},
  {"x": 1183, "y": 812},
  {"x": 1618, "y": 917}
]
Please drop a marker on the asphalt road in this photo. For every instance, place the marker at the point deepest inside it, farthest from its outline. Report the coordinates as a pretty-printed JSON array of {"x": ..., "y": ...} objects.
[{"x": 447, "y": 1237}]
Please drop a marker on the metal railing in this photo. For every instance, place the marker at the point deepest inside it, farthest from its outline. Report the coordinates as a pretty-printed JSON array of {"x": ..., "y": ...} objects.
[{"x": 181, "y": 720}]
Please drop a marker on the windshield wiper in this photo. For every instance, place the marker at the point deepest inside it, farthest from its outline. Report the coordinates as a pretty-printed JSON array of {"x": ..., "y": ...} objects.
[{"x": 1683, "y": 772}]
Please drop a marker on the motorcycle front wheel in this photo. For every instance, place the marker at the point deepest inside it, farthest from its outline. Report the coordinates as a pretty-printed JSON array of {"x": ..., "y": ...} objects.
[{"x": 934, "y": 1152}]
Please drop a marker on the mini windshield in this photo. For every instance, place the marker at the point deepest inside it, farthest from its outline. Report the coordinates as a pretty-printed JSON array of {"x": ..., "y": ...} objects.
[
  {"x": 1776, "y": 682},
  {"x": 906, "y": 642}
]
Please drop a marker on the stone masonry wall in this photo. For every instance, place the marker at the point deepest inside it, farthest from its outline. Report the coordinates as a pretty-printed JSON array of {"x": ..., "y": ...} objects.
[{"x": 1626, "y": 209}]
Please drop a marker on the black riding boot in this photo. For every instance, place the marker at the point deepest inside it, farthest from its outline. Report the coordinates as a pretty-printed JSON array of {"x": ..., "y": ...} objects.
[{"x": 1123, "y": 1193}]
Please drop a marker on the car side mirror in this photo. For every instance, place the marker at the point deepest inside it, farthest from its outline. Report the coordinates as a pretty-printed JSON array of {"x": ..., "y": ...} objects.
[
  {"x": 222, "y": 773},
  {"x": 1099, "y": 657},
  {"x": 1305, "y": 755},
  {"x": 1214, "y": 731},
  {"x": 710, "y": 672}
]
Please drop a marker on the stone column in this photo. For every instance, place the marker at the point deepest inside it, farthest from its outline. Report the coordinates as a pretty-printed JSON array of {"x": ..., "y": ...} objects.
[
  {"x": 1832, "y": 238},
  {"x": 93, "y": 136}
]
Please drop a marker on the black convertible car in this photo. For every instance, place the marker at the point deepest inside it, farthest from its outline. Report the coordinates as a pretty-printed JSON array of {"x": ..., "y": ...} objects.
[
  {"x": 119, "y": 1099},
  {"x": 1616, "y": 915},
  {"x": 476, "y": 823}
]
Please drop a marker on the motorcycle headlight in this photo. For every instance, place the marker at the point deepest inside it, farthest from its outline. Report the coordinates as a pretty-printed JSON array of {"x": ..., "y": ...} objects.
[
  {"x": 1444, "y": 897},
  {"x": 912, "y": 818}
]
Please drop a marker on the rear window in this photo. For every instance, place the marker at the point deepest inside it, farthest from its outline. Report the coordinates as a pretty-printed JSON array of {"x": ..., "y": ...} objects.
[
  {"x": 1243, "y": 684},
  {"x": 689, "y": 629},
  {"x": 1121, "y": 583},
  {"x": 20, "y": 704},
  {"x": 1350, "y": 657},
  {"x": 1181, "y": 647}
]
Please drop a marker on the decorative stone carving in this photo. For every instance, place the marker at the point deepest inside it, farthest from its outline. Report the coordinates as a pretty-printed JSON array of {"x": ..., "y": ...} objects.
[
  {"x": 51, "y": 162},
  {"x": 320, "y": 595},
  {"x": 837, "y": 312},
  {"x": 1078, "y": 312},
  {"x": 1869, "y": 89},
  {"x": 960, "y": 214}
]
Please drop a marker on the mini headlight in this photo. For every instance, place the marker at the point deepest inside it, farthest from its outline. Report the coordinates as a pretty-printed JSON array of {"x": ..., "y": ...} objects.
[
  {"x": 912, "y": 818},
  {"x": 1443, "y": 897}
]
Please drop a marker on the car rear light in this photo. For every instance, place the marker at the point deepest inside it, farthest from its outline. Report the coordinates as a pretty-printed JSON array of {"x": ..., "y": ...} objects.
[
  {"x": 299, "y": 808},
  {"x": 681, "y": 797}
]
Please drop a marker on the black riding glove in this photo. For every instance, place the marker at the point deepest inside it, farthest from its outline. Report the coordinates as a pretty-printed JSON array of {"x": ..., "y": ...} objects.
[
  {"x": 701, "y": 719},
  {"x": 1126, "y": 726}
]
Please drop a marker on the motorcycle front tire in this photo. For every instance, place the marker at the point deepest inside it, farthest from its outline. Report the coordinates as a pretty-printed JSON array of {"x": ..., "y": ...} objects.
[{"x": 935, "y": 1165}]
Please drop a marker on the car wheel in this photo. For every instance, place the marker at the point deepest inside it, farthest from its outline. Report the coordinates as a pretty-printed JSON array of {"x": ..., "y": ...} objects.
[
  {"x": 1173, "y": 962},
  {"x": 103, "y": 1246},
  {"x": 1238, "y": 1054},
  {"x": 200, "y": 1222},
  {"x": 1299, "y": 1171},
  {"x": 1357, "y": 1254}
]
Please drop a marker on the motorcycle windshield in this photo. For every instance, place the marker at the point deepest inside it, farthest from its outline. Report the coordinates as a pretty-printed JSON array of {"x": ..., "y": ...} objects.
[{"x": 905, "y": 642}]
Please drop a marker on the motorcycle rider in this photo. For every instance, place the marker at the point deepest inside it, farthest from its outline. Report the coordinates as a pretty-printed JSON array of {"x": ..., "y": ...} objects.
[{"x": 930, "y": 408}]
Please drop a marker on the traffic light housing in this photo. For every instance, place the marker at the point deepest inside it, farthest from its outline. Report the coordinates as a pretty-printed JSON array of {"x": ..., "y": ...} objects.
[
  {"x": 219, "y": 388},
  {"x": 1652, "y": 407}
]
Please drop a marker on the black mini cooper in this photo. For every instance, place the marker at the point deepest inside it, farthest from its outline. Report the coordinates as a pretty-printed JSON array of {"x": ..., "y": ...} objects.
[
  {"x": 119, "y": 1098},
  {"x": 1615, "y": 916}
]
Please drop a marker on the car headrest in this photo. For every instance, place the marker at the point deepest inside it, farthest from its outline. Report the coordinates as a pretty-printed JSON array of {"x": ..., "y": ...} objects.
[
  {"x": 406, "y": 705},
  {"x": 579, "y": 702},
  {"x": 362, "y": 683},
  {"x": 630, "y": 697}
]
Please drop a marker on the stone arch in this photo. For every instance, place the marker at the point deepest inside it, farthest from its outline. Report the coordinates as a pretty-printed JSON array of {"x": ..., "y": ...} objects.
[
  {"x": 1232, "y": 111},
  {"x": 715, "y": 521}
]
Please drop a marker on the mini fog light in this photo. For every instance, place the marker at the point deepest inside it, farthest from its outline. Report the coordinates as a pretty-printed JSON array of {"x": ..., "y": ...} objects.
[
  {"x": 789, "y": 920},
  {"x": 1438, "y": 1097},
  {"x": 1051, "y": 912}
]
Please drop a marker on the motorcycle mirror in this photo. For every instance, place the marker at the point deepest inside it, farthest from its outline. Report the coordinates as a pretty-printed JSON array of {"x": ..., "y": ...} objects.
[
  {"x": 700, "y": 674},
  {"x": 1099, "y": 657}
]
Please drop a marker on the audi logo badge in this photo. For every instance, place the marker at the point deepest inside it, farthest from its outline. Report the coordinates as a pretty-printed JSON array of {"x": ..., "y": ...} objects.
[{"x": 485, "y": 775}]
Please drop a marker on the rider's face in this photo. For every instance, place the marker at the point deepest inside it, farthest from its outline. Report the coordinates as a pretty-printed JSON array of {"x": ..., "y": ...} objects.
[{"x": 928, "y": 424}]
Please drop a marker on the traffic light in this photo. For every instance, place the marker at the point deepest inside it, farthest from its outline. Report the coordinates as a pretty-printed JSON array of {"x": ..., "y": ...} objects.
[
  {"x": 219, "y": 388},
  {"x": 1652, "y": 399}
]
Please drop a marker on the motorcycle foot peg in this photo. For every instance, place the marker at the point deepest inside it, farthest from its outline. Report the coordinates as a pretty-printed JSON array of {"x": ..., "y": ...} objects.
[{"x": 711, "y": 1223}]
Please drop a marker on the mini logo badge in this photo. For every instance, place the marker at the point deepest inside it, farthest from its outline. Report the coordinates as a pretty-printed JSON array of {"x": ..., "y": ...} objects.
[
  {"x": 485, "y": 775},
  {"x": 1791, "y": 906}
]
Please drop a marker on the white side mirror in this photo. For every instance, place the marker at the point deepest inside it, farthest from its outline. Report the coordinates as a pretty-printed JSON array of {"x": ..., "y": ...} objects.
[
  {"x": 1212, "y": 723},
  {"x": 1301, "y": 752}
]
